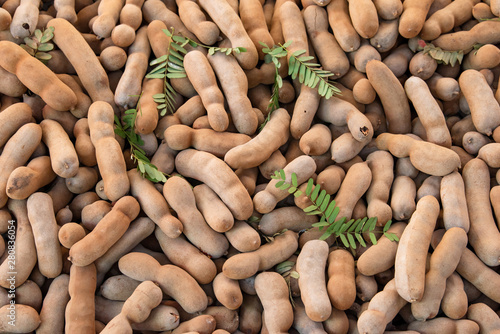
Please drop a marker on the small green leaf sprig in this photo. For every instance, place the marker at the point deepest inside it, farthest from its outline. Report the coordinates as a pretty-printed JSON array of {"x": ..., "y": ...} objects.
[
  {"x": 38, "y": 45},
  {"x": 126, "y": 131},
  {"x": 347, "y": 230},
  {"x": 440, "y": 55},
  {"x": 171, "y": 66},
  {"x": 299, "y": 65}
]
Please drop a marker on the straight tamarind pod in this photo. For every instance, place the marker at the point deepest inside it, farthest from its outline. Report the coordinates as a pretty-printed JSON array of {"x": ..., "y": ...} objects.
[
  {"x": 484, "y": 236},
  {"x": 146, "y": 120},
  {"x": 355, "y": 184},
  {"x": 341, "y": 24},
  {"x": 392, "y": 96},
  {"x": 54, "y": 304},
  {"x": 109, "y": 155},
  {"x": 341, "y": 286},
  {"x": 25, "y": 19},
  {"x": 306, "y": 106},
  {"x": 254, "y": 21},
  {"x": 215, "y": 212},
  {"x": 90, "y": 72},
  {"x": 454, "y": 202},
  {"x": 24, "y": 239},
  {"x": 428, "y": 111},
  {"x": 16, "y": 153},
  {"x": 201, "y": 166},
  {"x": 290, "y": 218},
  {"x": 235, "y": 87},
  {"x": 63, "y": 155},
  {"x": 80, "y": 310},
  {"x": 413, "y": 17},
  {"x": 232, "y": 27},
  {"x": 485, "y": 32},
  {"x": 311, "y": 264},
  {"x": 12, "y": 118},
  {"x": 43, "y": 223},
  {"x": 484, "y": 109},
  {"x": 17, "y": 61},
  {"x": 409, "y": 264},
  {"x": 364, "y": 17},
  {"x": 445, "y": 325},
  {"x": 381, "y": 165}
]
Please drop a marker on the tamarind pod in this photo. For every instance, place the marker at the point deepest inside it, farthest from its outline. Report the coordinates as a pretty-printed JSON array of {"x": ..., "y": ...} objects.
[
  {"x": 24, "y": 19},
  {"x": 454, "y": 203},
  {"x": 109, "y": 155},
  {"x": 381, "y": 165},
  {"x": 232, "y": 27},
  {"x": 272, "y": 290},
  {"x": 485, "y": 110},
  {"x": 90, "y": 72},
  {"x": 83, "y": 101},
  {"x": 138, "y": 230},
  {"x": 118, "y": 287},
  {"x": 108, "y": 14},
  {"x": 10, "y": 85},
  {"x": 196, "y": 21},
  {"x": 70, "y": 233},
  {"x": 383, "y": 307},
  {"x": 109, "y": 230},
  {"x": 454, "y": 303},
  {"x": 388, "y": 9},
  {"x": 186, "y": 256},
  {"x": 203, "y": 324},
  {"x": 66, "y": 10},
  {"x": 245, "y": 265},
  {"x": 487, "y": 57},
  {"x": 146, "y": 120},
  {"x": 25, "y": 241},
  {"x": 174, "y": 281},
  {"x": 366, "y": 286},
  {"x": 215, "y": 212},
  {"x": 54, "y": 304},
  {"x": 484, "y": 32},
  {"x": 227, "y": 292},
  {"x": 153, "y": 204},
  {"x": 445, "y": 325},
  {"x": 443, "y": 263},
  {"x": 306, "y": 106},
  {"x": 254, "y": 21},
  {"x": 179, "y": 194},
  {"x": 123, "y": 35},
  {"x": 341, "y": 284},
  {"x": 200, "y": 165},
  {"x": 301, "y": 322},
  {"x": 28, "y": 318},
  {"x": 16, "y": 153},
  {"x": 386, "y": 35},
  {"x": 12, "y": 118},
  {"x": 412, "y": 250},
  {"x": 444, "y": 88},
  {"x": 364, "y": 17},
  {"x": 291, "y": 218},
  {"x": 5, "y": 19},
  {"x": 342, "y": 27},
  {"x": 243, "y": 237},
  {"x": 80, "y": 310},
  {"x": 428, "y": 111},
  {"x": 17, "y": 61},
  {"x": 45, "y": 229},
  {"x": 413, "y": 17},
  {"x": 444, "y": 20},
  {"x": 25, "y": 180},
  {"x": 232, "y": 79},
  {"x": 485, "y": 317},
  {"x": 327, "y": 49},
  {"x": 483, "y": 233},
  {"x": 83, "y": 145},
  {"x": 392, "y": 96}
]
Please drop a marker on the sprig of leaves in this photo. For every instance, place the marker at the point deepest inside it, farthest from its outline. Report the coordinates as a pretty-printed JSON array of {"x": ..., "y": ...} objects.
[
  {"x": 347, "y": 230},
  {"x": 38, "y": 45},
  {"x": 285, "y": 270},
  {"x": 126, "y": 131},
  {"x": 440, "y": 55},
  {"x": 299, "y": 66}
]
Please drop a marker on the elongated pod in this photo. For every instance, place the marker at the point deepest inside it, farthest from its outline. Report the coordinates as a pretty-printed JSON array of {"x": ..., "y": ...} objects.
[
  {"x": 80, "y": 310},
  {"x": 382, "y": 165},
  {"x": 412, "y": 250},
  {"x": 341, "y": 279},
  {"x": 54, "y": 304},
  {"x": 454, "y": 202},
  {"x": 63, "y": 155},
  {"x": 108, "y": 152}
]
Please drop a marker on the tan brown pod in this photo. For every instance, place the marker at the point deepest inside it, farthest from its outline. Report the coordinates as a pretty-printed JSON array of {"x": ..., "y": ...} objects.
[
  {"x": 443, "y": 263},
  {"x": 412, "y": 250},
  {"x": 25, "y": 180},
  {"x": 290, "y": 218},
  {"x": 413, "y": 17},
  {"x": 153, "y": 204},
  {"x": 202, "y": 324},
  {"x": 444, "y": 88},
  {"x": 326, "y": 47},
  {"x": 272, "y": 290},
  {"x": 10, "y": 85},
  {"x": 473, "y": 141},
  {"x": 195, "y": 20},
  {"x": 445, "y": 325},
  {"x": 186, "y": 256},
  {"x": 428, "y": 111},
  {"x": 174, "y": 281},
  {"x": 454, "y": 303},
  {"x": 244, "y": 265},
  {"x": 243, "y": 237},
  {"x": 12, "y": 118},
  {"x": 108, "y": 152},
  {"x": 250, "y": 314},
  {"x": 24, "y": 320},
  {"x": 484, "y": 236},
  {"x": 227, "y": 291},
  {"x": 453, "y": 201},
  {"x": 340, "y": 22},
  {"x": 93, "y": 212},
  {"x": 487, "y": 319},
  {"x": 364, "y": 18},
  {"x": 28, "y": 137},
  {"x": 106, "y": 233},
  {"x": 200, "y": 165},
  {"x": 392, "y": 96},
  {"x": 80, "y": 310},
  {"x": 70, "y": 233},
  {"x": 118, "y": 287},
  {"x": 91, "y": 73},
  {"x": 215, "y": 212},
  {"x": 489, "y": 154},
  {"x": 231, "y": 25},
  {"x": 253, "y": 18},
  {"x": 45, "y": 229},
  {"x": 83, "y": 145},
  {"x": 382, "y": 309},
  {"x": 317, "y": 140},
  {"x": 341, "y": 279},
  {"x": 381, "y": 165},
  {"x": 84, "y": 180},
  {"x": 54, "y": 303},
  {"x": 485, "y": 32}
]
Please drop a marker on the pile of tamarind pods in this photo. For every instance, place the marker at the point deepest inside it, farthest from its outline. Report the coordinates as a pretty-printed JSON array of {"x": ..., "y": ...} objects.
[{"x": 91, "y": 246}]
